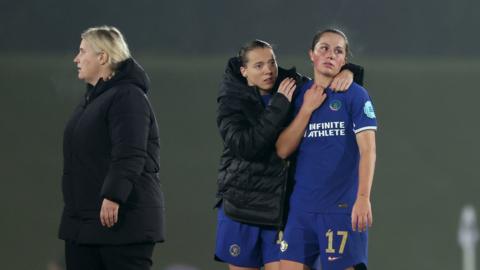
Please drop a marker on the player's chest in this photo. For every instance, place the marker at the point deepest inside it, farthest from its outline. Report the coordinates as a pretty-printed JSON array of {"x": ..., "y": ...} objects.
[
  {"x": 329, "y": 122},
  {"x": 334, "y": 108}
]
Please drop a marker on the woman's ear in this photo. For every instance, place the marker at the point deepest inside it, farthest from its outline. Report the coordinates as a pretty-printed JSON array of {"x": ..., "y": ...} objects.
[
  {"x": 103, "y": 58},
  {"x": 243, "y": 70}
]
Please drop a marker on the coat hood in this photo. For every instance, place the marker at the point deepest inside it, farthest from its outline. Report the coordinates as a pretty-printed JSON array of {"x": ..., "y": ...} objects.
[
  {"x": 233, "y": 82},
  {"x": 128, "y": 72}
]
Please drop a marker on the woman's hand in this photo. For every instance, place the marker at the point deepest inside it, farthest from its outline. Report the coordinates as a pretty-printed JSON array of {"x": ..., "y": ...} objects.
[
  {"x": 313, "y": 98},
  {"x": 109, "y": 213},
  {"x": 362, "y": 214},
  {"x": 287, "y": 87},
  {"x": 342, "y": 81}
]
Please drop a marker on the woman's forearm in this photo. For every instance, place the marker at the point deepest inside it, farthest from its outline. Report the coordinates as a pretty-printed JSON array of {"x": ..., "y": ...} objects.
[
  {"x": 290, "y": 138},
  {"x": 366, "y": 144}
]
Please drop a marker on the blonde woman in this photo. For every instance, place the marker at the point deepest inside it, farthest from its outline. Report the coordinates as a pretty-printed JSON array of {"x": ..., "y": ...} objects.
[{"x": 113, "y": 204}]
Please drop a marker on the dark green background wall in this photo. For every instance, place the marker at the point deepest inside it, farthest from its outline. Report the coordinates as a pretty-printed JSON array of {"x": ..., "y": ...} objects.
[{"x": 421, "y": 71}]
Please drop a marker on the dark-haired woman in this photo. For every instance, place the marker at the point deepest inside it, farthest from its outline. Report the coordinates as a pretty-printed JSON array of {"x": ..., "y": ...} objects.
[{"x": 334, "y": 132}]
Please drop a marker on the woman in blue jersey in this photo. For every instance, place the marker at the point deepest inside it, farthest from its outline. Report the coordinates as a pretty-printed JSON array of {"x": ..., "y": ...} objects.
[
  {"x": 253, "y": 108},
  {"x": 333, "y": 134}
]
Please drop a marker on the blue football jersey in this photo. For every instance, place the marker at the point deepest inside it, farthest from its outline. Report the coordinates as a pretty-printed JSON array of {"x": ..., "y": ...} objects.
[
  {"x": 326, "y": 176},
  {"x": 266, "y": 99}
]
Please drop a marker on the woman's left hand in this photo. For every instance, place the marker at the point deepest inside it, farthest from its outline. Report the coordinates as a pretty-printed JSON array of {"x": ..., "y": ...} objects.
[
  {"x": 362, "y": 214},
  {"x": 287, "y": 87},
  {"x": 109, "y": 213},
  {"x": 342, "y": 81}
]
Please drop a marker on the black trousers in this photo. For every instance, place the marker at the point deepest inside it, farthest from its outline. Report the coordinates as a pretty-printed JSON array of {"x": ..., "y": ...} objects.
[{"x": 108, "y": 257}]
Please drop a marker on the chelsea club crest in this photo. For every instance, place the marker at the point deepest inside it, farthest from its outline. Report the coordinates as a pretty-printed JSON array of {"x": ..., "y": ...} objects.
[
  {"x": 335, "y": 105},
  {"x": 234, "y": 250}
]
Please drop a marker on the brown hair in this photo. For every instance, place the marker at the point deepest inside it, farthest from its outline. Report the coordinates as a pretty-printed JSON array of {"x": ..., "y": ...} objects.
[{"x": 254, "y": 44}]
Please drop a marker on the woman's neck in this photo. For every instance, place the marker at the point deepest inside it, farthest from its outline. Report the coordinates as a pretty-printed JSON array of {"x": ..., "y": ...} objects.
[
  {"x": 105, "y": 75},
  {"x": 322, "y": 80}
]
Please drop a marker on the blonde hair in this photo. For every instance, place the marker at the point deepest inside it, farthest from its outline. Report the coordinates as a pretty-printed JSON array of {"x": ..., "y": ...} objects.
[{"x": 108, "y": 39}]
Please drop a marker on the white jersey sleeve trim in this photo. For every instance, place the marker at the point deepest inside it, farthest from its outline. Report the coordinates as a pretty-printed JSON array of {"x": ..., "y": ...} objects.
[{"x": 365, "y": 128}]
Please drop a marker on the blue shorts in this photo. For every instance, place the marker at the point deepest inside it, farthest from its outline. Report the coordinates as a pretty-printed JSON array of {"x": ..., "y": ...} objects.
[
  {"x": 245, "y": 245},
  {"x": 326, "y": 239}
]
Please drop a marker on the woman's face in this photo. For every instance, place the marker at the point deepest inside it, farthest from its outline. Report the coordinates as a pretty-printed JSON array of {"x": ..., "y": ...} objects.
[
  {"x": 261, "y": 68},
  {"x": 329, "y": 54},
  {"x": 88, "y": 63}
]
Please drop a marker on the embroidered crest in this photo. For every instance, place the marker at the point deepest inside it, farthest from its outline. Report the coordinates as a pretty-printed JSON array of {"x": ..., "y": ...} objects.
[
  {"x": 234, "y": 250},
  {"x": 335, "y": 105}
]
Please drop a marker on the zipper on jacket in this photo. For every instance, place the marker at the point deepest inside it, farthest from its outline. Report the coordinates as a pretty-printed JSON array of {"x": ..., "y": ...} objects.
[
  {"x": 87, "y": 100},
  {"x": 282, "y": 201}
]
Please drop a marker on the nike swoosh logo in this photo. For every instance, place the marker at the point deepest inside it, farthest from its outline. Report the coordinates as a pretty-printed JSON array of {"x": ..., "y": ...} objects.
[{"x": 331, "y": 259}]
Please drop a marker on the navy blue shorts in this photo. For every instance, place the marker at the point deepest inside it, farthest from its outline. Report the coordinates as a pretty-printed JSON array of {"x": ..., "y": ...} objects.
[
  {"x": 245, "y": 245},
  {"x": 326, "y": 239}
]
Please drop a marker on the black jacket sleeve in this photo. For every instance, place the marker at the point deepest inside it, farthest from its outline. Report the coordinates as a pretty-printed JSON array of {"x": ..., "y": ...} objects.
[
  {"x": 249, "y": 140},
  {"x": 357, "y": 72},
  {"x": 128, "y": 123}
]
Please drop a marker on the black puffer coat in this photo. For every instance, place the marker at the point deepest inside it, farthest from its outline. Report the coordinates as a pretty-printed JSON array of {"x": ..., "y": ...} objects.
[
  {"x": 252, "y": 179},
  {"x": 111, "y": 150}
]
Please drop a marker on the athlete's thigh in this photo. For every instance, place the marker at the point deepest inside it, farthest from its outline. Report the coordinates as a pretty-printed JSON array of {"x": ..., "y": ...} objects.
[
  {"x": 272, "y": 266},
  {"x": 234, "y": 267},
  {"x": 300, "y": 240},
  {"x": 291, "y": 265},
  {"x": 341, "y": 247}
]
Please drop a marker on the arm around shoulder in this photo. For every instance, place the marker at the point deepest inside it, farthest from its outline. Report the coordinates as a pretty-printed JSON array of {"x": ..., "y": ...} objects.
[{"x": 357, "y": 70}]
